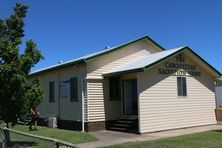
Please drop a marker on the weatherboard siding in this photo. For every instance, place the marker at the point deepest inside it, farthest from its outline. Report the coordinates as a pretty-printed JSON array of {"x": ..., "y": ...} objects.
[
  {"x": 72, "y": 110},
  {"x": 46, "y": 108},
  {"x": 95, "y": 96},
  {"x": 161, "y": 109},
  {"x": 114, "y": 108},
  {"x": 104, "y": 64},
  {"x": 98, "y": 94},
  {"x": 63, "y": 107},
  {"x": 100, "y": 106}
]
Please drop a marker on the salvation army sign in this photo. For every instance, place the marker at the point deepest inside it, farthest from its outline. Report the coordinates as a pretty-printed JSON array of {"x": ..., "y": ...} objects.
[{"x": 179, "y": 68}]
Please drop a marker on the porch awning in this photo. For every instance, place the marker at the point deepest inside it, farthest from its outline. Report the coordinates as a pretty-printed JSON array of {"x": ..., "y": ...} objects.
[{"x": 147, "y": 61}]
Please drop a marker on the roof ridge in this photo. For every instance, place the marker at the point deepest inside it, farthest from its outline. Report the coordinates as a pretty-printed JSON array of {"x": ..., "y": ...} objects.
[
  {"x": 123, "y": 45},
  {"x": 91, "y": 56},
  {"x": 148, "y": 61}
]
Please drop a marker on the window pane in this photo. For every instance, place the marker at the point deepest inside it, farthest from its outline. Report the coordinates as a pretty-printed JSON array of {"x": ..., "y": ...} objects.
[
  {"x": 71, "y": 89},
  {"x": 74, "y": 89},
  {"x": 179, "y": 86},
  {"x": 184, "y": 84}
]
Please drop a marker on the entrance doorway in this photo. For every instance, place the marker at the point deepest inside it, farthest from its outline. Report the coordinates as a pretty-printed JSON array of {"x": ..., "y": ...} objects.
[{"x": 130, "y": 97}]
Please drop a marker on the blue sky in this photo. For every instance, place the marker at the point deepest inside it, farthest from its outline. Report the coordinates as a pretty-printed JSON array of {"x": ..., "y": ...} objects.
[{"x": 67, "y": 29}]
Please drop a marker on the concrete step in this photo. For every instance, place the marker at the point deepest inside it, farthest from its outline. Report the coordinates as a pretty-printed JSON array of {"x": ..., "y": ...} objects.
[
  {"x": 124, "y": 125},
  {"x": 118, "y": 129},
  {"x": 128, "y": 118},
  {"x": 124, "y": 121},
  {"x": 121, "y": 125}
]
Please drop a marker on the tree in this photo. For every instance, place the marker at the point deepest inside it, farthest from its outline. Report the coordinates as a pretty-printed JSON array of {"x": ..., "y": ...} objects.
[{"x": 17, "y": 92}]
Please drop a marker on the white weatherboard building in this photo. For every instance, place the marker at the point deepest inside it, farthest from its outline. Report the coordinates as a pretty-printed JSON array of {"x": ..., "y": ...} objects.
[
  {"x": 138, "y": 86},
  {"x": 218, "y": 90}
]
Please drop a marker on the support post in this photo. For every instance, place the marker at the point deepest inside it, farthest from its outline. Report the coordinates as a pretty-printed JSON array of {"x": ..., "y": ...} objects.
[
  {"x": 83, "y": 118},
  {"x": 5, "y": 136},
  {"x": 56, "y": 144}
]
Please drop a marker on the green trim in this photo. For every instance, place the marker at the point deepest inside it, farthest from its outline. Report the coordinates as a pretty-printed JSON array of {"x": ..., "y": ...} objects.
[
  {"x": 84, "y": 60},
  {"x": 124, "y": 45},
  {"x": 160, "y": 60},
  {"x": 51, "y": 91},
  {"x": 182, "y": 50},
  {"x": 155, "y": 43},
  {"x": 58, "y": 66},
  {"x": 219, "y": 73},
  {"x": 74, "y": 89},
  {"x": 165, "y": 58},
  {"x": 123, "y": 72},
  {"x": 143, "y": 68}
]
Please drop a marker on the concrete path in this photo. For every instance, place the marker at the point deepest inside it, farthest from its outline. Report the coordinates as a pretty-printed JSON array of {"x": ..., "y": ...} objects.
[{"x": 106, "y": 138}]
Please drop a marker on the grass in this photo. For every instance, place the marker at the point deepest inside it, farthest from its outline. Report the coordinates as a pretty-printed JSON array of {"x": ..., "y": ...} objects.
[
  {"x": 64, "y": 135},
  {"x": 28, "y": 141},
  {"x": 209, "y": 139}
]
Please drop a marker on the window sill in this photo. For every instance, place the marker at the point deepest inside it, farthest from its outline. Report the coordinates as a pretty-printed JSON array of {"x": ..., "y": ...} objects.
[{"x": 182, "y": 96}]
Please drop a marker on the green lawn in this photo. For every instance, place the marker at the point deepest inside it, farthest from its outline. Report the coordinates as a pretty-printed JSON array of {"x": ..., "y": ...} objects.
[
  {"x": 210, "y": 139},
  {"x": 64, "y": 135}
]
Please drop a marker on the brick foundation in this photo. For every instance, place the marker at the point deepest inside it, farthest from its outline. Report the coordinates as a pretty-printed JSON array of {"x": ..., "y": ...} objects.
[
  {"x": 95, "y": 126},
  {"x": 75, "y": 125},
  {"x": 70, "y": 125}
]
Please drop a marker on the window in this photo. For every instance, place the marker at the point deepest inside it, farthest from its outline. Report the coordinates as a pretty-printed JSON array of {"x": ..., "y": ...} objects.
[
  {"x": 74, "y": 89},
  {"x": 51, "y": 91},
  {"x": 114, "y": 88},
  {"x": 182, "y": 86},
  {"x": 65, "y": 89}
]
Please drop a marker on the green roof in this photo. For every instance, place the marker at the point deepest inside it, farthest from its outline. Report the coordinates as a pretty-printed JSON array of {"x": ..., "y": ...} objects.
[
  {"x": 123, "y": 45},
  {"x": 145, "y": 62},
  {"x": 86, "y": 58}
]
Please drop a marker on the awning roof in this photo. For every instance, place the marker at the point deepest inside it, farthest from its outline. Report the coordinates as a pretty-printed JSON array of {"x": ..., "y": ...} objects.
[{"x": 147, "y": 61}]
